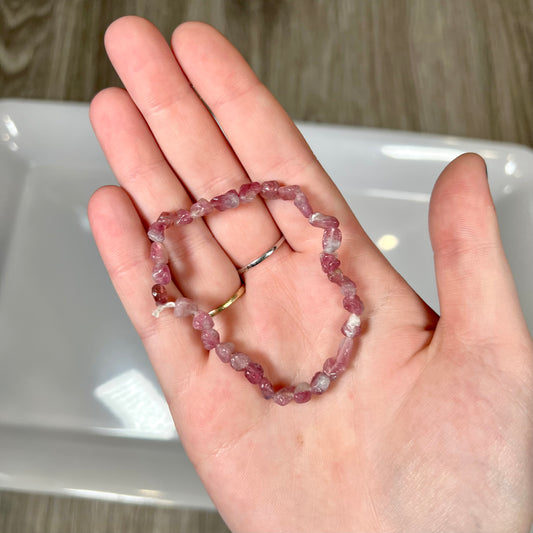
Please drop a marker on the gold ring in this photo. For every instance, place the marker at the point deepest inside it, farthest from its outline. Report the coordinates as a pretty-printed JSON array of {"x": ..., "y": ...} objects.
[{"x": 240, "y": 291}]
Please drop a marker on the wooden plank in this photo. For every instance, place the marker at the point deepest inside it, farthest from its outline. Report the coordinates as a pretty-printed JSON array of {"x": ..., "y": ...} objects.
[
  {"x": 457, "y": 67},
  {"x": 28, "y": 513}
]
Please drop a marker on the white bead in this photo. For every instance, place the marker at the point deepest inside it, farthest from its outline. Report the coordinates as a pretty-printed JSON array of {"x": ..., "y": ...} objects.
[
  {"x": 354, "y": 320},
  {"x": 160, "y": 308},
  {"x": 349, "y": 327}
]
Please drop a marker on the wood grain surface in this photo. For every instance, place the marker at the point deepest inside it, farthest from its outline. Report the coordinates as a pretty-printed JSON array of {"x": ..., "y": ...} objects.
[
  {"x": 40, "y": 513},
  {"x": 457, "y": 67}
]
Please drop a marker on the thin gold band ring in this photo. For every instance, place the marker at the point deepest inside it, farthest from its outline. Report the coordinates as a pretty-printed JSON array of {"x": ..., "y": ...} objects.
[{"x": 240, "y": 291}]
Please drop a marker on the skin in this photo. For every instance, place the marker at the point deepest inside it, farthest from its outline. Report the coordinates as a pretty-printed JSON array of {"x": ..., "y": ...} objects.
[{"x": 430, "y": 429}]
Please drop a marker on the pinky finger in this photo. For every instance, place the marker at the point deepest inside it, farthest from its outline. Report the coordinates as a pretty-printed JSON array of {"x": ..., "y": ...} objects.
[{"x": 123, "y": 245}]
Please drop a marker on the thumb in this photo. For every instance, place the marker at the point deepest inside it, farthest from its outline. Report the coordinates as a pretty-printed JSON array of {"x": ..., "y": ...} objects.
[{"x": 475, "y": 285}]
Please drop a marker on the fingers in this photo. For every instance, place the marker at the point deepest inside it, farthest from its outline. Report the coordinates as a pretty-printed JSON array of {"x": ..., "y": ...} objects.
[
  {"x": 200, "y": 268},
  {"x": 265, "y": 139},
  {"x": 187, "y": 134},
  {"x": 264, "y": 143},
  {"x": 269, "y": 146},
  {"x": 477, "y": 295},
  {"x": 121, "y": 240}
]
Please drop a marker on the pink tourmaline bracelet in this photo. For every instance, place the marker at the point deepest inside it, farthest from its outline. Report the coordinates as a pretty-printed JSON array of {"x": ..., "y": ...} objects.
[{"x": 202, "y": 321}]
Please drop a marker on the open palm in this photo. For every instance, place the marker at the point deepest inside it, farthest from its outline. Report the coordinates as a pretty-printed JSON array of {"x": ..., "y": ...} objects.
[{"x": 430, "y": 428}]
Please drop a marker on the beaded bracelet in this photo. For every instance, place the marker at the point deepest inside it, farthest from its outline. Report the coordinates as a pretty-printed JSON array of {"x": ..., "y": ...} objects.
[{"x": 202, "y": 321}]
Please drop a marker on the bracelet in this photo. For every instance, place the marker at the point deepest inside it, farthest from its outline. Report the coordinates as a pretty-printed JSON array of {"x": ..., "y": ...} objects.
[{"x": 183, "y": 307}]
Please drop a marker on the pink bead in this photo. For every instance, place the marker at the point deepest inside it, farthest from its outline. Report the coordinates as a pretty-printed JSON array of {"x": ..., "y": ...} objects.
[
  {"x": 156, "y": 232},
  {"x": 202, "y": 320},
  {"x": 353, "y": 304},
  {"x": 329, "y": 262},
  {"x": 184, "y": 307},
  {"x": 158, "y": 253},
  {"x": 167, "y": 218},
  {"x": 331, "y": 240},
  {"x": 201, "y": 208},
  {"x": 288, "y": 192},
  {"x": 302, "y": 203},
  {"x": 253, "y": 373},
  {"x": 302, "y": 393},
  {"x": 284, "y": 396},
  {"x": 269, "y": 190},
  {"x": 352, "y": 326},
  {"x": 348, "y": 287},
  {"x": 210, "y": 338},
  {"x": 183, "y": 217},
  {"x": 320, "y": 383},
  {"x": 228, "y": 200},
  {"x": 323, "y": 221},
  {"x": 345, "y": 350},
  {"x": 334, "y": 366},
  {"x": 332, "y": 369},
  {"x": 159, "y": 292},
  {"x": 267, "y": 388},
  {"x": 248, "y": 191},
  {"x": 161, "y": 274},
  {"x": 239, "y": 361},
  {"x": 224, "y": 351},
  {"x": 336, "y": 276}
]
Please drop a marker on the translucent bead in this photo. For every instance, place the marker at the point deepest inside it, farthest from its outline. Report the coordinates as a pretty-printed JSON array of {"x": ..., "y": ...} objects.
[
  {"x": 269, "y": 190},
  {"x": 156, "y": 232},
  {"x": 345, "y": 350},
  {"x": 302, "y": 393},
  {"x": 329, "y": 262},
  {"x": 159, "y": 292},
  {"x": 253, "y": 373},
  {"x": 248, "y": 191},
  {"x": 352, "y": 326},
  {"x": 348, "y": 287},
  {"x": 210, "y": 338},
  {"x": 323, "y": 221},
  {"x": 161, "y": 274},
  {"x": 184, "y": 307},
  {"x": 302, "y": 203},
  {"x": 201, "y": 208},
  {"x": 158, "y": 253},
  {"x": 288, "y": 192},
  {"x": 202, "y": 320},
  {"x": 183, "y": 217},
  {"x": 332, "y": 369},
  {"x": 284, "y": 396},
  {"x": 334, "y": 366},
  {"x": 267, "y": 388},
  {"x": 353, "y": 304},
  {"x": 224, "y": 351},
  {"x": 167, "y": 218},
  {"x": 239, "y": 361},
  {"x": 331, "y": 240},
  {"x": 320, "y": 383},
  {"x": 225, "y": 201}
]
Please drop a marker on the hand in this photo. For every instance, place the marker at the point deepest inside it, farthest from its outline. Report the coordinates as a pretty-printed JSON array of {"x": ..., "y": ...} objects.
[{"x": 431, "y": 426}]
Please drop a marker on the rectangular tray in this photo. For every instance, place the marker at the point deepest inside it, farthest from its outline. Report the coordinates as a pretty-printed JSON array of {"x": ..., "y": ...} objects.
[{"x": 80, "y": 409}]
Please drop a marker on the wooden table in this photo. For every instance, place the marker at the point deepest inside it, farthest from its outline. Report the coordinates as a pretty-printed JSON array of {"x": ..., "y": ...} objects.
[{"x": 456, "y": 67}]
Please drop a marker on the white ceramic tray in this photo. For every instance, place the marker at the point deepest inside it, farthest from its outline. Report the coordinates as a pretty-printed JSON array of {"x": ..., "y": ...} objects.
[{"x": 80, "y": 409}]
